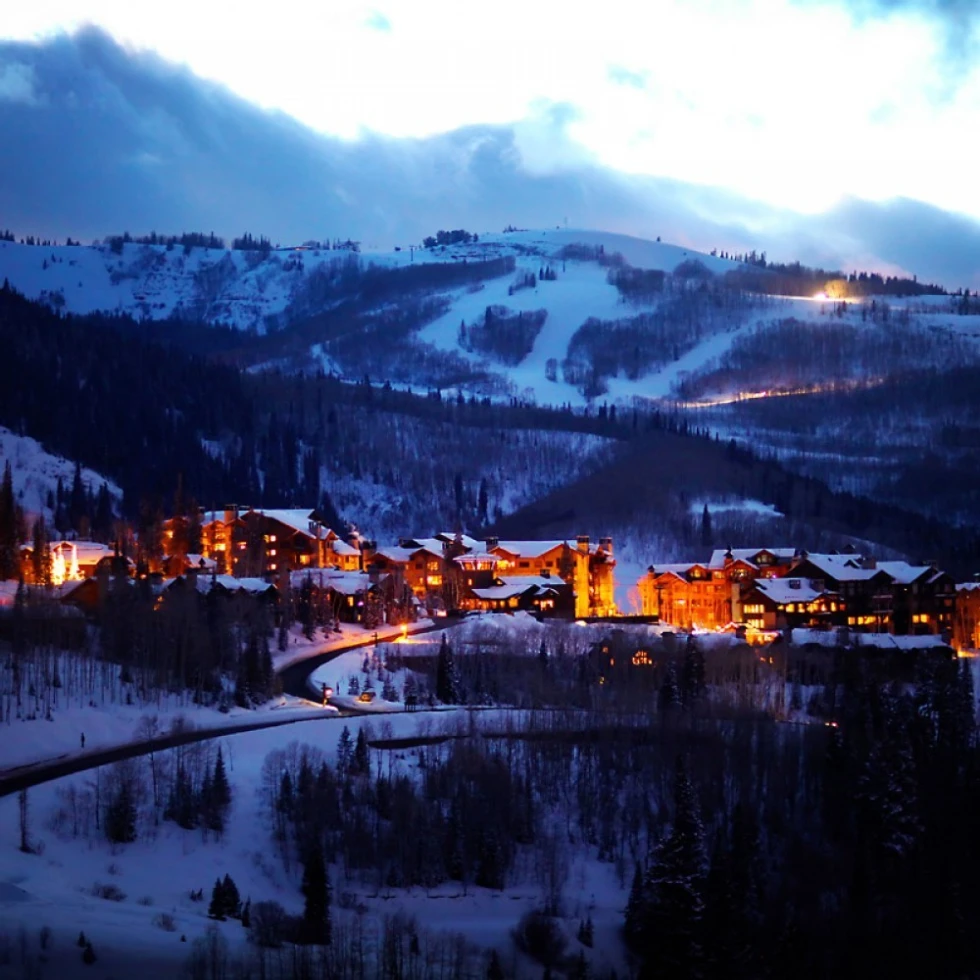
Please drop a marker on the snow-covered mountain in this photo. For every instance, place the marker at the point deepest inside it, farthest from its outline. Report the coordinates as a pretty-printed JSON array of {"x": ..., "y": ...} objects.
[{"x": 536, "y": 314}]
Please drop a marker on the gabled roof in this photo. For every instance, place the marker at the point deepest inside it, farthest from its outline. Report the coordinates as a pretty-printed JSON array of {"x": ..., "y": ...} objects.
[
  {"x": 520, "y": 585},
  {"x": 346, "y": 583},
  {"x": 902, "y": 573},
  {"x": 447, "y": 537},
  {"x": 749, "y": 555},
  {"x": 201, "y": 562},
  {"x": 88, "y": 552},
  {"x": 526, "y": 549},
  {"x": 253, "y": 586},
  {"x": 401, "y": 556},
  {"x": 477, "y": 556},
  {"x": 680, "y": 569},
  {"x": 785, "y": 590},
  {"x": 341, "y": 547},
  {"x": 841, "y": 571},
  {"x": 297, "y": 519}
]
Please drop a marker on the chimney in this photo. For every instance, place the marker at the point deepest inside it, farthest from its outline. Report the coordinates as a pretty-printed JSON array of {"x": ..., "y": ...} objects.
[
  {"x": 607, "y": 545},
  {"x": 794, "y": 583},
  {"x": 582, "y": 543},
  {"x": 354, "y": 540},
  {"x": 492, "y": 543},
  {"x": 231, "y": 513}
]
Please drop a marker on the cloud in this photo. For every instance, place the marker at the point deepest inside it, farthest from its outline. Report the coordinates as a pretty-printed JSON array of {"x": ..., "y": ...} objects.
[
  {"x": 113, "y": 140},
  {"x": 378, "y": 22},
  {"x": 958, "y": 23},
  {"x": 619, "y": 75},
  {"x": 17, "y": 83}
]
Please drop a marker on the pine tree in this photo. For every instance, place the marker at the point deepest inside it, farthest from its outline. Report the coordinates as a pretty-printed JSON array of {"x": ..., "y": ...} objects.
[
  {"x": 494, "y": 969},
  {"x": 216, "y": 908},
  {"x": 483, "y": 501},
  {"x": 232, "y": 900},
  {"x": 669, "y": 697},
  {"x": 40, "y": 553},
  {"x": 8, "y": 526},
  {"x": 316, "y": 925},
  {"x": 361, "y": 761},
  {"x": 692, "y": 674},
  {"x": 673, "y": 889},
  {"x": 219, "y": 784},
  {"x": 635, "y": 910},
  {"x": 447, "y": 677},
  {"x": 706, "y": 538},
  {"x": 120, "y": 816},
  {"x": 345, "y": 752}
]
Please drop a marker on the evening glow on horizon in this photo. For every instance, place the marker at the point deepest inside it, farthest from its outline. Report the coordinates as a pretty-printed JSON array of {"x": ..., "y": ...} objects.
[{"x": 796, "y": 104}]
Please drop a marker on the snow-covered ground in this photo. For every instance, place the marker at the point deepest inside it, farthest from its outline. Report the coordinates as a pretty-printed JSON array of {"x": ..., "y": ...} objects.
[
  {"x": 36, "y": 473},
  {"x": 156, "y": 875}
]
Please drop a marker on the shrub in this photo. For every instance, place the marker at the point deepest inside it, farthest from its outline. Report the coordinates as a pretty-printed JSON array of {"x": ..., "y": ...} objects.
[
  {"x": 165, "y": 921},
  {"x": 270, "y": 924},
  {"x": 112, "y": 893},
  {"x": 541, "y": 937}
]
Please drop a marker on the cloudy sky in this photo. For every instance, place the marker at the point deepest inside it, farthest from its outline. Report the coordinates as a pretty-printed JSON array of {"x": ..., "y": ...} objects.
[{"x": 786, "y": 108}]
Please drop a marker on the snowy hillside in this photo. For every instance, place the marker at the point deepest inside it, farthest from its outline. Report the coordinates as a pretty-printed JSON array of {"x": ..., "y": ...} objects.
[
  {"x": 241, "y": 288},
  {"x": 36, "y": 473}
]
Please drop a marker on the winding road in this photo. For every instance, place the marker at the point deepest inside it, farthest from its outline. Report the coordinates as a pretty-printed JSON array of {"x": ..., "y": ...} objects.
[{"x": 293, "y": 679}]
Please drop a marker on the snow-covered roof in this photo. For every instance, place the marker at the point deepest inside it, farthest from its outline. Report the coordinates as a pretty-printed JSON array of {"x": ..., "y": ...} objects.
[
  {"x": 346, "y": 583},
  {"x": 786, "y": 590},
  {"x": 841, "y": 571},
  {"x": 903, "y": 573},
  {"x": 832, "y": 638},
  {"x": 748, "y": 555},
  {"x": 518, "y": 585},
  {"x": 960, "y": 586},
  {"x": 401, "y": 555},
  {"x": 254, "y": 586},
  {"x": 679, "y": 568},
  {"x": 299, "y": 520},
  {"x": 202, "y": 562},
  {"x": 852, "y": 561},
  {"x": 527, "y": 549},
  {"x": 476, "y": 556},
  {"x": 341, "y": 547},
  {"x": 87, "y": 552},
  {"x": 443, "y": 538}
]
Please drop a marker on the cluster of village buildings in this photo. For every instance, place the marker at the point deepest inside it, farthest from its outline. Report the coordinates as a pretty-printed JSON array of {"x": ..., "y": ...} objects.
[
  {"x": 756, "y": 590},
  {"x": 288, "y": 550}
]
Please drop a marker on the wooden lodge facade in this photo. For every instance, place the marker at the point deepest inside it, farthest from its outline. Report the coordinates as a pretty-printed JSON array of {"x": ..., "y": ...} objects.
[{"x": 780, "y": 588}]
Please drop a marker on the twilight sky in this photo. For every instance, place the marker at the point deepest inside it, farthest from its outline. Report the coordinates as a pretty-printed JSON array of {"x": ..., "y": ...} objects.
[{"x": 783, "y": 108}]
